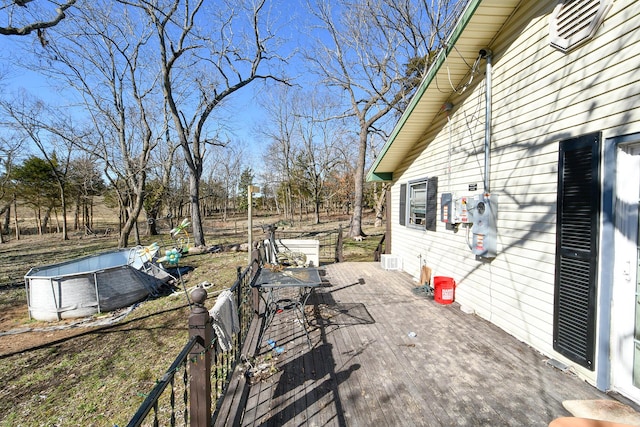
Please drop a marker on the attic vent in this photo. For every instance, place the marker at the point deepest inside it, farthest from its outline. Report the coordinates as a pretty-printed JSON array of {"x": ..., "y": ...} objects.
[{"x": 574, "y": 22}]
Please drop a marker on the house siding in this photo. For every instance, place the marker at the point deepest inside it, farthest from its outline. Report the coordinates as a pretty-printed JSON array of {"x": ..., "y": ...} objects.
[{"x": 540, "y": 96}]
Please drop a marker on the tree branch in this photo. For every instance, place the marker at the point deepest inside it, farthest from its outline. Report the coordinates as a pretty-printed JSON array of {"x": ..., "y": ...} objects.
[{"x": 39, "y": 25}]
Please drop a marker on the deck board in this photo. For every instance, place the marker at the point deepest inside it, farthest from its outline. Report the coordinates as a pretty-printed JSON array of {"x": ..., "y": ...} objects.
[{"x": 364, "y": 368}]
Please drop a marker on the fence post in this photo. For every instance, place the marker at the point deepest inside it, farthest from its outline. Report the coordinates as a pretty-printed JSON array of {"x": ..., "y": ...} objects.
[
  {"x": 200, "y": 360},
  {"x": 255, "y": 265},
  {"x": 339, "y": 254}
]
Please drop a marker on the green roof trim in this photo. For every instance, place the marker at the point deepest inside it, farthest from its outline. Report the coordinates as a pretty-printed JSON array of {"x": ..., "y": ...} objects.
[
  {"x": 380, "y": 176},
  {"x": 471, "y": 8}
]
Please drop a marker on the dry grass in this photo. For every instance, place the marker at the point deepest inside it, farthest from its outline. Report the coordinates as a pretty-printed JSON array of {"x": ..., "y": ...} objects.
[{"x": 99, "y": 376}]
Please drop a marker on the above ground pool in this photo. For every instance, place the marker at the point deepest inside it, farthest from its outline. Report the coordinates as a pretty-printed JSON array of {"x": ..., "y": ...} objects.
[{"x": 90, "y": 285}]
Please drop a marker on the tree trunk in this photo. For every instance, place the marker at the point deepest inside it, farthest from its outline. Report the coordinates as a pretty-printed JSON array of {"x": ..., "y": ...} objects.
[
  {"x": 356, "y": 219},
  {"x": 4, "y": 211},
  {"x": 317, "y": 213},
  {"x": 63, "y": 202},
  {"x": 136, "y": 233},
  {"x": 152, "y": 222},
  {"x": 301, "y": 206},
  {"x": 57, "y": 220},
  {"x": 86, "y": 218},
  {"x": 133, "y": 213},
  {"x": 380, "y": 204},
  {"x": 7, "y": 221},
  {"x": 125, "y": 231},
  {"x": 127, "y": 228},
  {"x": 76, "y": 214},
  {"x": 277, "y": 205},
  {"x": 196, "y": 218},
  {"x": 39, "y": 221},
  {"x": 45, "y": 220},
  {"x": 152, "y": 217},
  {"x": 291, "y": 207},
  {"x": 15, "y": 217}
]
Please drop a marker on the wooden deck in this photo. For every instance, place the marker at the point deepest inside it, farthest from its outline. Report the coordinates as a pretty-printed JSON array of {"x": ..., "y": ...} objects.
[{"x": 365, "y": 368}]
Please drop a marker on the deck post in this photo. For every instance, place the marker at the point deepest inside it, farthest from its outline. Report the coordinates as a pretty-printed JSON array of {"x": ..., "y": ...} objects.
[
  {"x": 256, "y": 264},
  {"x": 200, "y": 361}
]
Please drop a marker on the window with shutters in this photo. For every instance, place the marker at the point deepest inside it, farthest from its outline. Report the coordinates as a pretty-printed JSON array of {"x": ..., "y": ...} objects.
[
  {"x": 418, "y": 201},
  {"x": 574, "y": 22}
]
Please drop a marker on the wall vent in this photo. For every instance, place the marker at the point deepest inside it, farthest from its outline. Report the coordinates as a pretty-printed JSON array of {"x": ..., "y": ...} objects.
[{"x": 574, "y": 22}]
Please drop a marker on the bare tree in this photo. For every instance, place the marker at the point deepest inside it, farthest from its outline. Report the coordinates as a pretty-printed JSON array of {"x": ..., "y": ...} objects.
[
  {"x": 226, "y": 163},
  {"x": 9, "y": 150},
  {"x": 23, "y": 17},
  {"x": 178, "y": 191},
  {"x": 29, "y": 116},
  {"x": 267, "y": 179},
  {"x": 160, "y": 171},
  {"x": 104, "y": 60},
  {"x": 321, "y": 144},
  {"x": 365, "y": 63},
  {"x": 279, "y": 129},
  {"x": 85, "y": 182},
  {"x": 213, "y": 62},
  {"x": 306, "y": 144}
]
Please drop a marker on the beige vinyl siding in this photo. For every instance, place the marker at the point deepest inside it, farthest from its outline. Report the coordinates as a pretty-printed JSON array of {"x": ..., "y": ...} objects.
[
  {"x": 540, "y": 97},
  {"x": 596, "y": 80}
]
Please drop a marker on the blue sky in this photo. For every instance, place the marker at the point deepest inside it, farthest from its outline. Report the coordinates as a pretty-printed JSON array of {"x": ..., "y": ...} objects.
[{"x": 241, "y": 109}]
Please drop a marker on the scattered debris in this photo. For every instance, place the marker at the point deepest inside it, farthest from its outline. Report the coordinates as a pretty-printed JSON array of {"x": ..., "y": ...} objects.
[
  {"x": 272, "y": 344},
  {"x": 558, "y": 365},
  {"x": 260, "y": 369},
  {"x": 425, "y": 290},
  {"x": 105, "y": 319},
  {"x": 467, "y": 310},
  {"x": 205, "y": 285}
]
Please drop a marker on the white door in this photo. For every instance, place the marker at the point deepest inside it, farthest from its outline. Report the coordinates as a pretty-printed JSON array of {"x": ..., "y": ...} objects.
[{"x": 625, "y": 337}]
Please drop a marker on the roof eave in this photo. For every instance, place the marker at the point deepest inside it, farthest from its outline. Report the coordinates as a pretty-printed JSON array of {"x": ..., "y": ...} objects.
[{"x": 385, "y": 173}]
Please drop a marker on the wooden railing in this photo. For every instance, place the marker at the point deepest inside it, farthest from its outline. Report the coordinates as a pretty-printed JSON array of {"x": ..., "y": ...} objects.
[
  {"x": 206, "y": 371},
  {"x": 379, "y": 249}
]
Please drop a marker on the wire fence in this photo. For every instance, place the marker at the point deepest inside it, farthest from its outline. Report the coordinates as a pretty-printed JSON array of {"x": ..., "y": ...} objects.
[{"x": 172, "y": 399}]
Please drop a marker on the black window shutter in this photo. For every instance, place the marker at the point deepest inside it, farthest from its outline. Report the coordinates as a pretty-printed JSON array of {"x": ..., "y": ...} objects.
[
  {"x": 403, "y": 204},
  {"x": 432, "y": 204},
  {"x": 574, "y": 328}
]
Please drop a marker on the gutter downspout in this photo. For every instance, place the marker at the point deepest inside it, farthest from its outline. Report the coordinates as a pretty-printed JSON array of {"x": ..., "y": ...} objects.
[{"x": 487, "y": 55}]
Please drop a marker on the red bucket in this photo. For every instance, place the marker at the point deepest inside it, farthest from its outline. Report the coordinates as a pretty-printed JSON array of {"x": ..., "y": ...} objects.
[{"x": 444, "y": 289}]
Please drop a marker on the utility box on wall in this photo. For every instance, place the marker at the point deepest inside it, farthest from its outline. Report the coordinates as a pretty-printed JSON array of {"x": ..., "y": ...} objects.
[
  {"x": 483, "y": 212},
  {"x": 479, "y": 212},
  {"x": 446, "y": 208},
  {"x": 454, "y": 210},
  {"x": 461, "y": 209}
]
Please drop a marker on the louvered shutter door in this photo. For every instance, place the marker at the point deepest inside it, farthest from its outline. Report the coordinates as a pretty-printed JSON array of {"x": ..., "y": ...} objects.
[
  {"x": 576, "y": 249},
  {"x": 432, "y": 204},
  {"x": 403, "y": 204}
]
